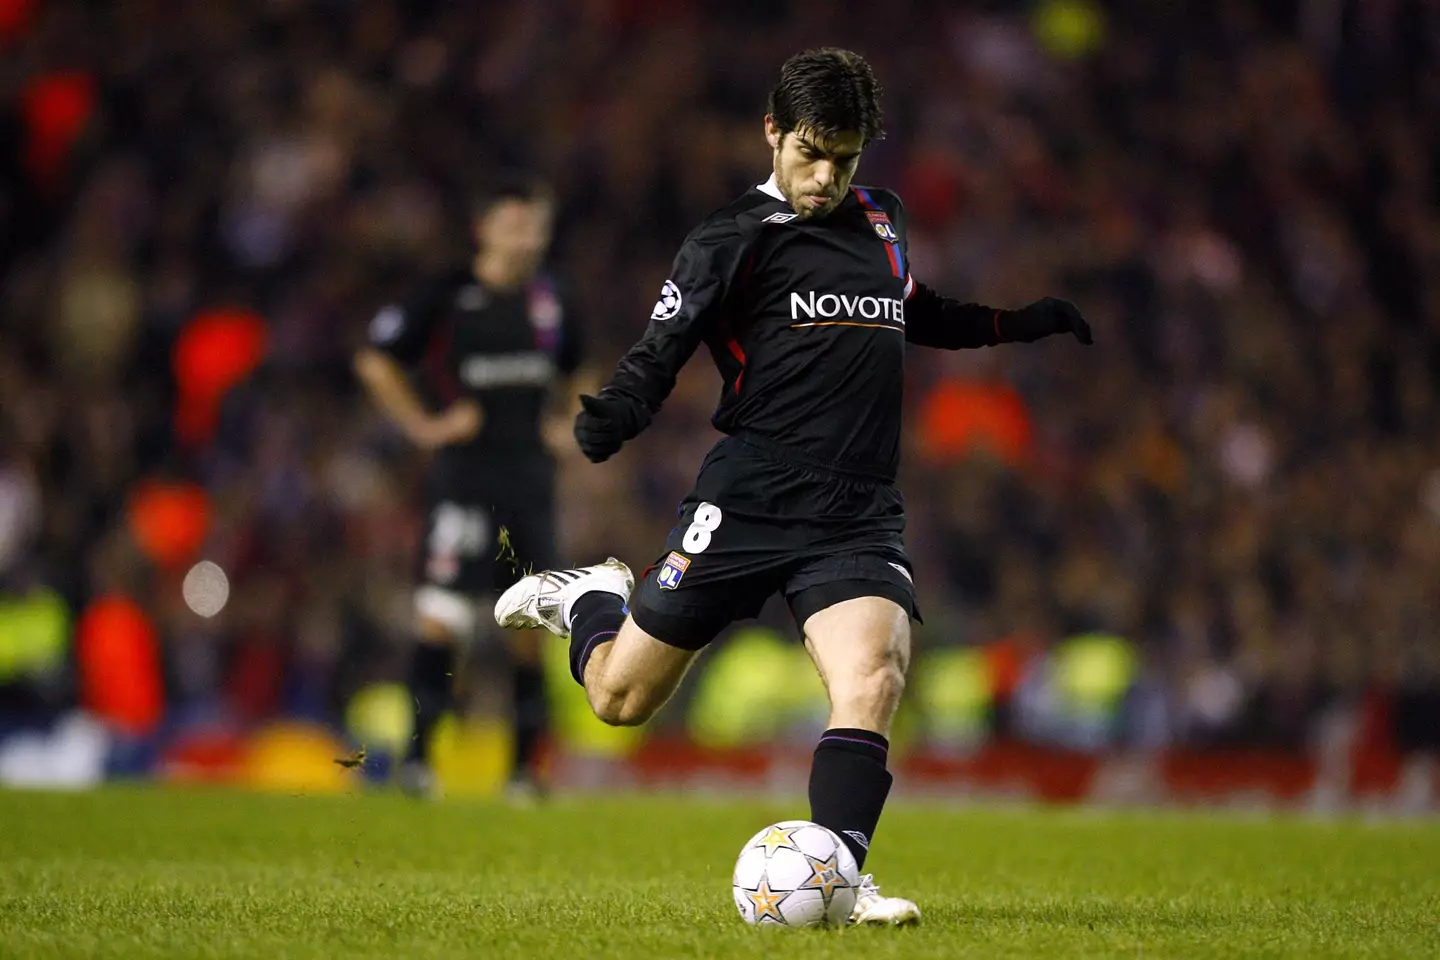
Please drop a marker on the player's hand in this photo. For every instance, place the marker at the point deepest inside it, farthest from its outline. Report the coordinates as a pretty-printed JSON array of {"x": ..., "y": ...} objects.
[
  {"x": 1053, "y": 315},
  {"x": 602, "y": 427},
  {"x": 458, "y": 423}
]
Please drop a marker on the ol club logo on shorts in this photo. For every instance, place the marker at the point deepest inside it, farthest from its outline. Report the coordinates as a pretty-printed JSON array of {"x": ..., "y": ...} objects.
[
  {"x": 880, "y": 220},
  {"x": 672, "y": 570}
]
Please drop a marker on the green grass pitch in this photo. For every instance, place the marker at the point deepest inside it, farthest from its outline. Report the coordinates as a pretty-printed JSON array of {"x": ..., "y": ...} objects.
[{"x": 137, "y": 872}]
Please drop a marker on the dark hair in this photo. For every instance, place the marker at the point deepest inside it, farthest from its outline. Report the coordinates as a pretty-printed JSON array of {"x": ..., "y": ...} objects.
[
  {"x": 828, "y": 90},
  {"x": 524, "y": 187}
]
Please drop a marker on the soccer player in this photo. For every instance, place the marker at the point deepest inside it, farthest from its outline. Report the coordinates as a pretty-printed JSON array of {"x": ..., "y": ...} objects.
[
  {"x": 496, "y": 344},
  {"x": 801, "y": 293}
]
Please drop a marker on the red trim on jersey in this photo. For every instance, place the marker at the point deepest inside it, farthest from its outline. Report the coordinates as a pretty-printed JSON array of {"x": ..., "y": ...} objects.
[
  {"x": 745, "y": 273},
  {"x": 738, "y": 352},
  {"x": 731, "y": 343},
  {"x": 894, "y": 256},
  {"x": 892, "y": 252}
]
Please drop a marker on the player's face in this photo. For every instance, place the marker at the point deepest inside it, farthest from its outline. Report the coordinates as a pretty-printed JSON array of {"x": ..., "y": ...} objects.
[
  {"x": 813, "y": 171},
  {"x": 516, "y": 234}
]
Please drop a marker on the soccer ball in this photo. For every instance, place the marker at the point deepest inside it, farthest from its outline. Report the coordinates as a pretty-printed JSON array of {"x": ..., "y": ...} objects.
[{"x": 796, "y": 874}]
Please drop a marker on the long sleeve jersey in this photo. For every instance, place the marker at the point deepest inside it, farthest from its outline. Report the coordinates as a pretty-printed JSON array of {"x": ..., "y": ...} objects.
[{"x": 807, "y": 322}]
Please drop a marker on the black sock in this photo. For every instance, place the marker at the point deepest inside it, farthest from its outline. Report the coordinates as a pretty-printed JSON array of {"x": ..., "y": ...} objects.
[
  {"x": 594, "y": 619},
  {"x": 531, "y": 711},
  {"x": 432, "y": 666},
  {"x": 849, "y": 784}
]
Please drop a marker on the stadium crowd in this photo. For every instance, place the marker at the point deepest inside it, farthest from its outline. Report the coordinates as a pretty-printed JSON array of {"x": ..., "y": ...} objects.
[{"x": 202, "y": 205}]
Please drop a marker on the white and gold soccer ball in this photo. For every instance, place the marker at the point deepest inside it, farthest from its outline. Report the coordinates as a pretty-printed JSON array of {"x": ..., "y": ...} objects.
[{"x": 796, "y": 874}]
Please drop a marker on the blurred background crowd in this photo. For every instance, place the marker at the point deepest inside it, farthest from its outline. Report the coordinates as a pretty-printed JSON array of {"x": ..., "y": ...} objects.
[{"x": 1219, "y": 526}]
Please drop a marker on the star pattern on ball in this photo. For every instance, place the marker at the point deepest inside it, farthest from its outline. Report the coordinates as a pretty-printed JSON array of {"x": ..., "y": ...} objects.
[
  {"x": 825, "y": 875},
  {"x": 775, "y": 838},
  {"x": 766, "y": 902}
]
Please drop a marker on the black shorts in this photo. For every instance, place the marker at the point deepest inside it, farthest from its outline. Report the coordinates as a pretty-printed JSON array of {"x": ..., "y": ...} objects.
[
  {"x": 756, "y": 525},
  {"x": 461, "y": 557}
]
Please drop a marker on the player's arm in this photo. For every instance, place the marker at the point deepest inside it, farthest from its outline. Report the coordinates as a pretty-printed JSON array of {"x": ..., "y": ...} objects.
[
  {"x": 699, "y": 282},
  {"x": 932, "y": 320},
  {"x": 398, "y": 336},
  {"x": 390, "y": 388}
]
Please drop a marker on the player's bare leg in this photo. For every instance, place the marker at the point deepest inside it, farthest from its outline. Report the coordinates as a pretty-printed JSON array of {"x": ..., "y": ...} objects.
[
  {"x": 861, "y": 648},
  {"x": 627, "y": 674},
  {"x": 629, "y": 679}
]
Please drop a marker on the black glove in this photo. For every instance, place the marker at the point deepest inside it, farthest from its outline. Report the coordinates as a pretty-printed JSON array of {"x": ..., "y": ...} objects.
[
  {"x": 1044, "y": 318},
  {"x": 603, "y": 425}
]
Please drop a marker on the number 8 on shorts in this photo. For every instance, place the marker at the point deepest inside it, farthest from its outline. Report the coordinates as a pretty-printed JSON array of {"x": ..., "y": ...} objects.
[{"x": 697, "y": 535}]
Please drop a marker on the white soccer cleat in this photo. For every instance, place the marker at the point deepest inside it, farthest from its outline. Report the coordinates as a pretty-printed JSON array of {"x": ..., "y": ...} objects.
[
  {"x": 871, "y": 907},
  {"x": 545, "y": 599}
]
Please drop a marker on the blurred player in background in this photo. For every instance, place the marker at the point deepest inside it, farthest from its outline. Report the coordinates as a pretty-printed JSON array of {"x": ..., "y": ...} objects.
[
  {"x": 801, "y": 292},
  {"x": 478, "y": 369}
]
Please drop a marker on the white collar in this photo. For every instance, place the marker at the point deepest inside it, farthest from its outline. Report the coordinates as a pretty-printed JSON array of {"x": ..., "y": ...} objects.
[{"x": 771, "y": 187}]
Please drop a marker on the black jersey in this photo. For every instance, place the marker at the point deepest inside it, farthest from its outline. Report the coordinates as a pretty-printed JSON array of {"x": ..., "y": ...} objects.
[
  {"x": 807, "y": 321},
  {"x": 503, "y": 349}
]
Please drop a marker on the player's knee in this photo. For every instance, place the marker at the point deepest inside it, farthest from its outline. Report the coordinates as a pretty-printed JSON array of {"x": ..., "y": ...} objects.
[
  {"x": 886, "y": 682},
  {"x": 620, "y": 706},
  {"x": 877, "y": 683}
]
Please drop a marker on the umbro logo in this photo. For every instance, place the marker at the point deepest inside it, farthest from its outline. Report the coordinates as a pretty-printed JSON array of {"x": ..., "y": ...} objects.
[{"x": 780, "y": 218}]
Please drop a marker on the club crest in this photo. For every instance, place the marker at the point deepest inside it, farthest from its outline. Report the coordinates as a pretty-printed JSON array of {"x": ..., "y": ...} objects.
[
  {"x": 880, "y": 220},
  {"x": 672, "y": 570}
]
